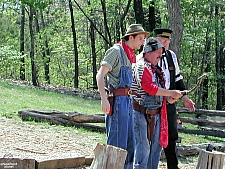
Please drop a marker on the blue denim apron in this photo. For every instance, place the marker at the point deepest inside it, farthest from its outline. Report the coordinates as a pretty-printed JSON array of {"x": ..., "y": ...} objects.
[
  {"x": 154, "y": 102},
  {"x": 147, "y": 154},
  {"x": 119, "y": 126}
]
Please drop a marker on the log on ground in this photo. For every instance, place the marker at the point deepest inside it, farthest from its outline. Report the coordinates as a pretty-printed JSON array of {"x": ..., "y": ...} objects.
[
  {"x": 203, "y": 122},
  {"x": 202, "y": 112},
  {"x": 57, "y": 120},
  {"x": 204, "y": 132},
  {"x": 73, "y": 116}
]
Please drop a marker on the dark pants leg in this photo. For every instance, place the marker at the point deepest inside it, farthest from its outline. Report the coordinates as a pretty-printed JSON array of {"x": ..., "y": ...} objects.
[
  {"x": 171, "y": 155},
  {"x": 171, "y": 149}
]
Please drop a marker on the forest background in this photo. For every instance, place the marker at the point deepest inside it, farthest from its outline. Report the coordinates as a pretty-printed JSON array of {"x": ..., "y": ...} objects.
[{"x": 62, "y": 42}]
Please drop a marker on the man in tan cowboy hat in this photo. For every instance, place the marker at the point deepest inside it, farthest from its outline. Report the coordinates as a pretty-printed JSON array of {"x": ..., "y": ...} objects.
[{"x": 116, "y": 67}]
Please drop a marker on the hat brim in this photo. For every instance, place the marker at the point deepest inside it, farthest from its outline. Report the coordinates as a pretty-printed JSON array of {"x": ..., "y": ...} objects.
[
  {"x": 133, "y": 33},
  {"x": 164, "y": 37}
]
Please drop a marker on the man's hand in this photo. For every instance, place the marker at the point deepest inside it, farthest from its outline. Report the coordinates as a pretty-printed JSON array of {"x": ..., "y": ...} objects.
[
  {"x": 171, "y": 100},
  {"x": 175, "y": 94},
  {"x": 105, "y": 106},
  {"x": 188, "y": 103}
]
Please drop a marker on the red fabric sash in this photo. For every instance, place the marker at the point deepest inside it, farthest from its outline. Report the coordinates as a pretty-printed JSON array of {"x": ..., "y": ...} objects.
[
  {"x": 130, "y": 52},
  {"x": 164, "y": 125},
  {"x": 163, "y": 140},
  {"x": 164, "y": 121}
]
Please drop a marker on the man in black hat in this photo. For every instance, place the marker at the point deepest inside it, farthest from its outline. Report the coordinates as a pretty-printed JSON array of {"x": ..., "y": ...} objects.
[
  {"x": 174, "y": 80},
  {"x": 116, "y": 71}
]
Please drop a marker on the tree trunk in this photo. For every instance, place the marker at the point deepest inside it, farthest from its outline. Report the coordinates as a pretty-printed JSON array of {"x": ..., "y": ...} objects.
[
  {"x": 205, "y": 92},
  {"x": 139, "y": 16},
  {"x": 206, "y": 58},
  {"x": 151, "y": 18},
  {"x": 138, "y": 11},
  {"x": 22, "y": 23},
  {"x": 33, "y": 66},
  {"x": 117, "y": 29},
  {"x": 219, "y": 105},
  {"x": 46, "y": 52},
  {"x": 92, "y": 36},
  {"x": 76, "y": 81},
  {"x": 44, "y": 57},
  {"x": 123, "y": 29},
  {"x": 176, "y": 24},
  {"x": 93, "y": 56},
  {"x": 222, "y": 54},
  {"x": 205, "y": 61},
  {"x": 107, "y": 33}
]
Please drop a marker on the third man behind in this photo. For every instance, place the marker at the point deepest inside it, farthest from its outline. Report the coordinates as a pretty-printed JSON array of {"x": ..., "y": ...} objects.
[{"x": 174, "y": 80}]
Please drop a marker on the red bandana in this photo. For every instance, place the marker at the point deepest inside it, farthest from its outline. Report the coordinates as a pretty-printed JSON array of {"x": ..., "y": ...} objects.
[
  {"x": 164, "y": 125},
  {"x": 130, "y": 52}
]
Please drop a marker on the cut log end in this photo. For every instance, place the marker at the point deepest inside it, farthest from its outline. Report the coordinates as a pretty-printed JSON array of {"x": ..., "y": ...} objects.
[
  {"x": 210, "y": 160},
  {"x": 107, "y": 157}
]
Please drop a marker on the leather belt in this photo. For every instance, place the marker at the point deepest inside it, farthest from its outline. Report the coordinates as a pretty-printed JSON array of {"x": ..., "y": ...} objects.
[
  {"x": 139, "y": 108},
  {"x": 153, "y": 112},
  {"x": 121, "y": 92},
  {"x": 149, "y": 116},
  {"x": 144, "y": 110}
]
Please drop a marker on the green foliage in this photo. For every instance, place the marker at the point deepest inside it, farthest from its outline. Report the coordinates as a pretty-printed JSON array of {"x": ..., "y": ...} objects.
[
  {"x": 9, "y": 62},
  {"x": 198, "y": 20},
  {"x": 199, "y": 25},
  {"x": 36, "y": 3}
]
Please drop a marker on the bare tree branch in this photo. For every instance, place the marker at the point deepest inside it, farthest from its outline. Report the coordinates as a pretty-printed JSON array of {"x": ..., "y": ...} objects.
[{"x": 91, "y": 22}]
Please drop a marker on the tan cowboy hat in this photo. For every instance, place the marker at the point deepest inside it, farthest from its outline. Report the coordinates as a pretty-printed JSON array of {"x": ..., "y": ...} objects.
[{"x": 135, "y": 29}]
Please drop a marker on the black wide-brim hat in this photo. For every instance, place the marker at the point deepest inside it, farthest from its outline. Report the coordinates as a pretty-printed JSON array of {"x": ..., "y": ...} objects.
[
  {"x": 135, "y": 29},
  {"x": 163, "y": 32}
]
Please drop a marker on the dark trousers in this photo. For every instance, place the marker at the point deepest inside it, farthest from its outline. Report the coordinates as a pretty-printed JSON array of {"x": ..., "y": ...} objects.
[{"x": 171, "y": 149}]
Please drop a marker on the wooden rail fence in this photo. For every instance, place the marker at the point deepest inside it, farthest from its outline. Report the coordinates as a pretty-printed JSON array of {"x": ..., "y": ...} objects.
[{"x": 213, "y": 124}]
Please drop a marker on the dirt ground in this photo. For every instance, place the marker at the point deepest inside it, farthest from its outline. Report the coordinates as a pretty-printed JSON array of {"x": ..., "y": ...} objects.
[
  {"x": 20, "y": 139},
  {"x": 41, "y": 142}
]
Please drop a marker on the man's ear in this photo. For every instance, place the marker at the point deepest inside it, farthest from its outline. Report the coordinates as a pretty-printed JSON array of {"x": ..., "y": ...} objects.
[{"x": 131, "y": 37}]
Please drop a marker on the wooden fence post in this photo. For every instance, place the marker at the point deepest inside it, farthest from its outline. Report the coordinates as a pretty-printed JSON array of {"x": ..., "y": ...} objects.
[
  {"x": 210, "y": 160},
  {"x": 108, "y": 157}
]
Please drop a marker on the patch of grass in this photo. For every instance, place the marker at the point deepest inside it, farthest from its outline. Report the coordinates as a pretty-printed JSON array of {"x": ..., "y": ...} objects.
[
  {"x": 7, "y": 114},
  {"x": 187, "y": 115},
  {"x": 14, "y": 98},
  {"x": 189, "y": 139}
]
